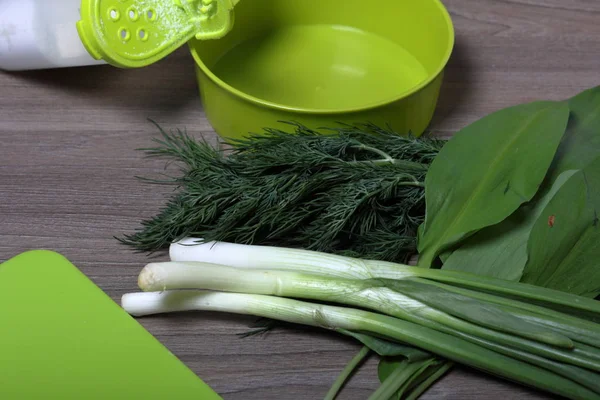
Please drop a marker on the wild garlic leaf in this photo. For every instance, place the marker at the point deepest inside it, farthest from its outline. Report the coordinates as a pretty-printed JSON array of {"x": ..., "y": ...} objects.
[
  {"x": 486, "y": 171},
  {"x": 564, "y": 245},
  {"x": 500, "y": 250},
  {"x": 581, "y": 142}
]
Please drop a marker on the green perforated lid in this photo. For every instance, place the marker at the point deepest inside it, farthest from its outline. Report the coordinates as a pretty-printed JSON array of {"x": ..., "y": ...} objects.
[{"x": 137, "y": 33}]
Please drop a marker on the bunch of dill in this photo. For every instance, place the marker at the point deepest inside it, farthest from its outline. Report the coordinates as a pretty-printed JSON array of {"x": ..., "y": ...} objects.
[{"x": 356, "y": 190}]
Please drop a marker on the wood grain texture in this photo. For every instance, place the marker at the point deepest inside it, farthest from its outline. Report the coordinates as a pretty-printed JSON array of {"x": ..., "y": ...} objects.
[{"x": 68, "y": 165}]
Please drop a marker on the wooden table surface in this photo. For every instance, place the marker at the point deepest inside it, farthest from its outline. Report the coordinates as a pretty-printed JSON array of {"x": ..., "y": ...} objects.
[{"x": 68, "y": 163}]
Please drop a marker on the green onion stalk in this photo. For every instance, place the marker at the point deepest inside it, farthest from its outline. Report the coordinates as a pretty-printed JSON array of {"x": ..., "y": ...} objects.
[
  {"x": 538, "y": 337},
  {"x": 330, "y": 317}
]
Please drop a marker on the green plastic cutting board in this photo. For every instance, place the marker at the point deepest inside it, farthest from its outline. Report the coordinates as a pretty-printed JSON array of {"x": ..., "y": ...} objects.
[{"x": 61, "y": 337}]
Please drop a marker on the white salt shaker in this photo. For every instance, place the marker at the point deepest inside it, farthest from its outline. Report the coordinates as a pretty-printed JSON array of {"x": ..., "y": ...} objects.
[{"x": 41, "y": 34}]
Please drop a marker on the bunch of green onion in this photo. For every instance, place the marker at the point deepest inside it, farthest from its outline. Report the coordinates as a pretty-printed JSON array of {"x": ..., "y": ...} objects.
[{"x": 538, "y": 337}]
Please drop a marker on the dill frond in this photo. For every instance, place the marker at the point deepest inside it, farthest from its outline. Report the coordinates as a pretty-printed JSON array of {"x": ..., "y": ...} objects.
[{"x": 354, "y": 190}]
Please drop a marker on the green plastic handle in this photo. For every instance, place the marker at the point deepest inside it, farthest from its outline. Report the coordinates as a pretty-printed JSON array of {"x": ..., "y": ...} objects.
[{"x": 137, "y": 33}]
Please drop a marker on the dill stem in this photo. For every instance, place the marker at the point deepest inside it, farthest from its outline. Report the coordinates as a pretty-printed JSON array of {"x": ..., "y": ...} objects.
[
  {"x": 415, "y": 184},
  {"x": 386, "y": 157}
]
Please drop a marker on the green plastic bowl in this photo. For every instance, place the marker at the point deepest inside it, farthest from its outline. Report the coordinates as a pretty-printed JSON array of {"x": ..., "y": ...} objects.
[{"x": 323, "y": 62}]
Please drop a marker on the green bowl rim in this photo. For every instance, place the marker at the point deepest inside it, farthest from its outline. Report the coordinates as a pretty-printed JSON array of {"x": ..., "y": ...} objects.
[{"x": 302, "y": 110}]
